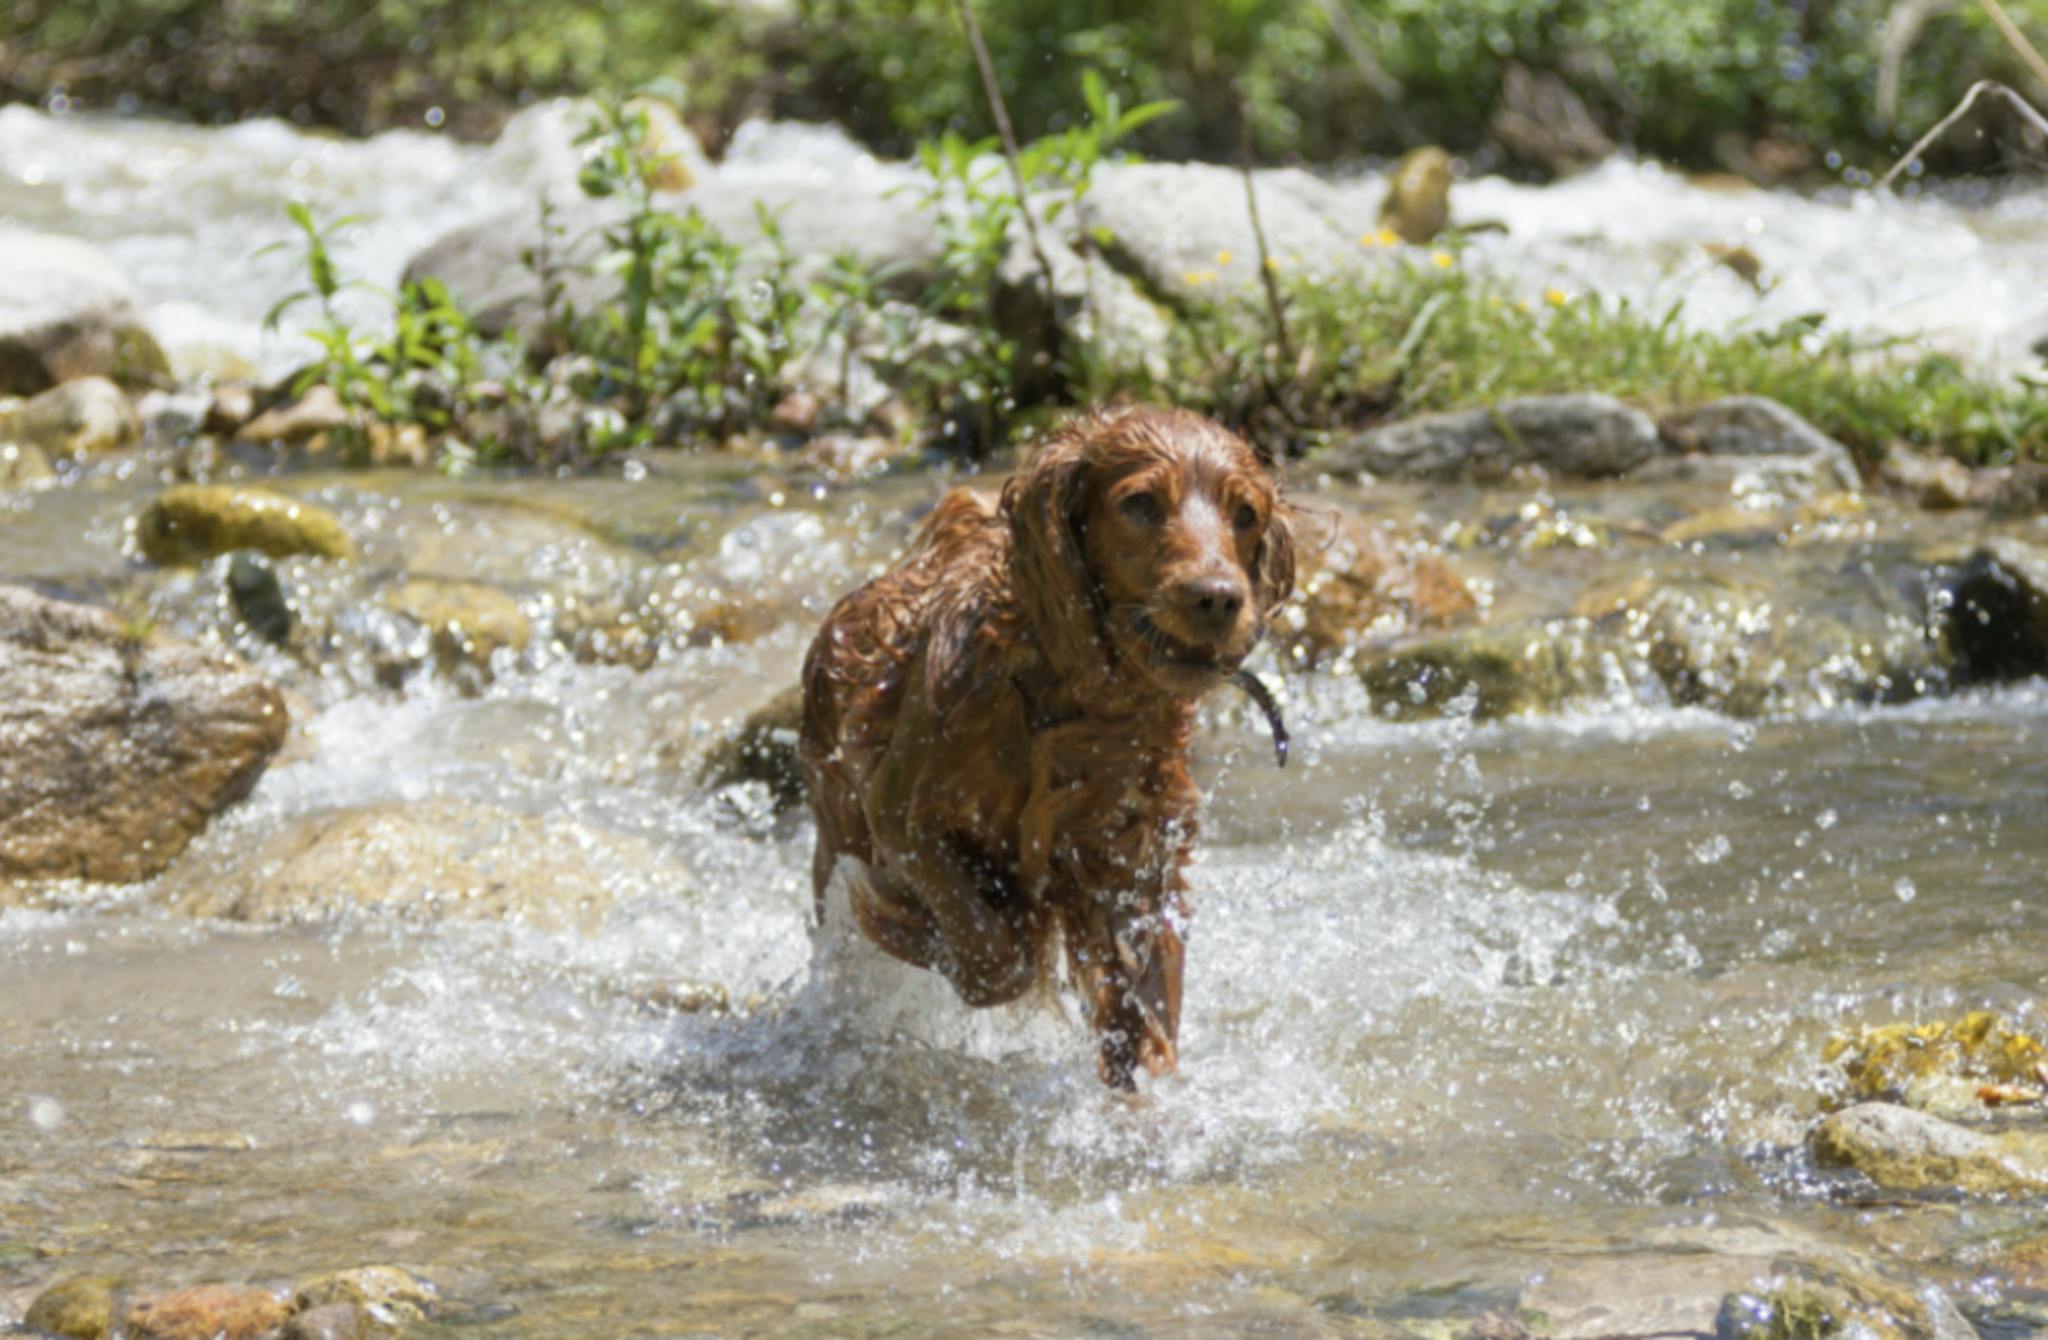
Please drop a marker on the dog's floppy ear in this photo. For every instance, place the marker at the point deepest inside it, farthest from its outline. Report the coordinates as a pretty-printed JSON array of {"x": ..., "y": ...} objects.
[
  {"x": 1273, "y": 567},
  {"x": 1047, "y": 568}
]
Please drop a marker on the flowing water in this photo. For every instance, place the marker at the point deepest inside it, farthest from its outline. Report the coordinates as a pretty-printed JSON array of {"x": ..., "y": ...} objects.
[{"x": 1470, "y": 1006}]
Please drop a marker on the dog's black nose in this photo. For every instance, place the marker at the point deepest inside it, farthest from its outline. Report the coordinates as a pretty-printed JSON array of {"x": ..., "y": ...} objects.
[{"x": 1210, "y": 606}]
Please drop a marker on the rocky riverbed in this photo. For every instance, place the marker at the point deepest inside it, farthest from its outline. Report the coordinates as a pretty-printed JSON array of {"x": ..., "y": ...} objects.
[{"x": 404, "y": 917}]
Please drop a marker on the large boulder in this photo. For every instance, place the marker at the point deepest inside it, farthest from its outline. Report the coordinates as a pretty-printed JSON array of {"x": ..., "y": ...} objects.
[
  {"x": 1183, "y": 230},
  {"x": 1577, "y": 435},
  {"x": 67, "y": 311},
  {"x": 116, "y": 747},
  {"x": 1090, "y": 303}
]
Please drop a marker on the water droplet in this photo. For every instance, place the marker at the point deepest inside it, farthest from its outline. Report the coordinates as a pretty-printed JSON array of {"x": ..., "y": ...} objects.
[
  {"x": 1905, "y": 890},
  {"x": 45, "y": 1114},
  {"x": 360, "y": 1113}
]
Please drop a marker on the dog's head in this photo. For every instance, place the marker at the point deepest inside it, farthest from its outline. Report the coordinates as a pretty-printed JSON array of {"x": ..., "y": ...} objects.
[{"x": 1152, "y": 542}]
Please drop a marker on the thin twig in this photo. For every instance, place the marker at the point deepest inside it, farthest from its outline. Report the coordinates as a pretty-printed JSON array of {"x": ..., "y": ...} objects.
[
  {"x": 1982, "y": 86},
  {"x": 1251, "y": 204},
  {"x": 1009, "y": 138},
  {"x": 2018, "y": 40}
]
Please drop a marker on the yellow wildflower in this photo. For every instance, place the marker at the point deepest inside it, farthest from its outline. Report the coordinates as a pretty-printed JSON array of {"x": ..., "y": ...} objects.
[
  {"x": 1388, "y": 237},
  {"x": 1223, "y": 257},
  {"x": 1441, "y": 259},
  {"x": 1197, "y": 278},
  {"x": 1556, "y": 297}
]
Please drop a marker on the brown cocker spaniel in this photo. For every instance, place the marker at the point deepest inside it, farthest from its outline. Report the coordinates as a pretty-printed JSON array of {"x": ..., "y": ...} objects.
[{"x": 997, "y": 731}]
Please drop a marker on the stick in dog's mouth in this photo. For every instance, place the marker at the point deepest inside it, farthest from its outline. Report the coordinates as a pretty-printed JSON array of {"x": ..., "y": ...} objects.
[{"x": 1256, "y": 690}]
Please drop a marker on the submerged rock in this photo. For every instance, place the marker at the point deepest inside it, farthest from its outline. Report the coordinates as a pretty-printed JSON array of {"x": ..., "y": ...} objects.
[
  {"x": 207, "y": 1312},
  {"x": 194, "y": 522},
  {"x": 67, "y": 311},
  {"x": 467, "y": 623},
  {"x": 1582, "y": 436},
  {"x": 431, "y": 860},
  {"x": 117, "y": 747},
  {"x": 764, "y": 750},
  {"x": 1639, "y": 1294},
  {"x": 79, "y": 418},
  {"x": 1955, "y": 1069},
  {"x": 1905, "y": 1150},
  {"x": 77, "y": 1309}
]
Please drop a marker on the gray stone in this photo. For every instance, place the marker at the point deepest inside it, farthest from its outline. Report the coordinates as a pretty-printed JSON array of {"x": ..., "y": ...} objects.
[
  {"x": 1581, "y": 435},
  {"x": 1090, "y": 303},
  {"x": 1183, "y": 231},
  {"x": 67, "y": 311},
  {"x": 1905, "y": 1150},
  {"x": 1996, "y": 623},
  {"x": 117, "y": 747},
  {"x": 1753, "y": 425}
]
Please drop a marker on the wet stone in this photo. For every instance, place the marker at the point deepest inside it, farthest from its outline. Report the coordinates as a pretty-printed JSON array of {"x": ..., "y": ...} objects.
[
  {"x": 194, "y": 522},
  {"x": 207, "y": 1312},
  {"x": 77, "y": 1309},
  {"x": 258, "y": 597},
  {"x": 87, "y": 417},
  {"x": 1905, "y": 1150},
  {"x": 1577, "y": 436},
  {"x": 121, "y": 745},
  {"x": 333, "y": 1321},
  {"x": 390, "y": 1291}
]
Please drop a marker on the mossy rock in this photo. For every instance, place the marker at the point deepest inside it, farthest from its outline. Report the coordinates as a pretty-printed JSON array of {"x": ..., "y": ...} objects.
[
  {"x": 77, "y": 1309},
  {"x": 1488, "y": 672},
  {"x": 191, "y": 523},
  {"x": 1942, "y": 1066}
]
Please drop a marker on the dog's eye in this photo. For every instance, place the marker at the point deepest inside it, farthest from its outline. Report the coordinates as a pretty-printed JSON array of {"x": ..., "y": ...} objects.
[
  {"x": 1246, "y": 518},
  {"x": 1142, "y": 508}
]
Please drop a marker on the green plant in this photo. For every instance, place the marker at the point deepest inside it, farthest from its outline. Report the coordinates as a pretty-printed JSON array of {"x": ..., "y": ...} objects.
[{"x": 415, "y": 375}]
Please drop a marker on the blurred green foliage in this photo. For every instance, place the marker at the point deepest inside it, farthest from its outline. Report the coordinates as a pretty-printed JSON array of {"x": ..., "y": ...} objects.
[{"x": 1693, "y": 81}]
